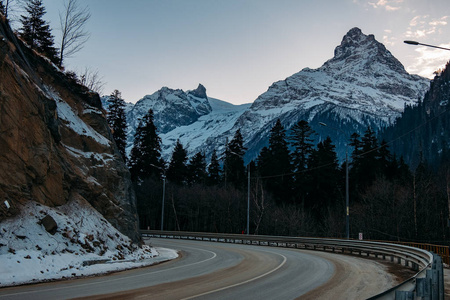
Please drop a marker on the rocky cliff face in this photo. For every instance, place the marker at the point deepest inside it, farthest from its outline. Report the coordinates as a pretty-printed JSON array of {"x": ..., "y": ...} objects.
[
  {"x": 55, "y": 144},
  {"x": 172, "y": 108}
]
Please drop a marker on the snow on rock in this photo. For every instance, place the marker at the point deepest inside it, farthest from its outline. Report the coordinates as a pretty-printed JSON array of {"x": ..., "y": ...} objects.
[
  {"x": 195, "y": 136},
  {"x": 362, "y": 85},
  {"x": 71, "y": 119},
  {"x": 84, "y": 244}
]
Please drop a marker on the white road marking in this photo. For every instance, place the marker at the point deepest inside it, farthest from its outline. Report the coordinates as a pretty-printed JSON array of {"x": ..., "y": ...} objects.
[
  {"x": 214, "y": 255},
  {"x": 243, "y": 282}
]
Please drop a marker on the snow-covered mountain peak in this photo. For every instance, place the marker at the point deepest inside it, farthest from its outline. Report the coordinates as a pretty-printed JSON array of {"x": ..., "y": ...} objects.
[
  {"x": 172, "y": 108},
  {"x": 362, "y": 53},
  {"x": 362, "y": 85},
  {"x": 199, "y": 92}
]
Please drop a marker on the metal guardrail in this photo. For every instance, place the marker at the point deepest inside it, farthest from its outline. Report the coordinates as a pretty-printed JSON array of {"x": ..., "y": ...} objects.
[
  {"x": 442, "y": 251},
  {"x": 427, "y": 283}
]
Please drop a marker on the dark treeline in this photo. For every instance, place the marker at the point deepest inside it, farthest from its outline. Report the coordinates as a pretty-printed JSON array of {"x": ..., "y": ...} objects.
[
  {"x": 422, "y": 132},
  {"x": 296, "y": 188}
]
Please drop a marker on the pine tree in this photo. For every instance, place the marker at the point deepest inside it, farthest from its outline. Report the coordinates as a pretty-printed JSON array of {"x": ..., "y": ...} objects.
[
  {"x": 233, "y": 166},
  {"x": 355, "y": 142},
  {"x": 117, "y": 121},
  {"x": 177, "y": 170},
  {"x": 386, "y": 164},
  {"x": 214, "y": 170},
  {"x": 278, "y": 164},
  {"x": 197, "y": 169},
  {"x": 263, "y": 162},
  {"x": 303, "y": 146},
  {"x": 145, "y": 159},
  {"x": 365, "y": 164},
  {"x": 324, "y": 171},
  {"x": 36, "y": 32},
  {"x": 302, "y": 143}
]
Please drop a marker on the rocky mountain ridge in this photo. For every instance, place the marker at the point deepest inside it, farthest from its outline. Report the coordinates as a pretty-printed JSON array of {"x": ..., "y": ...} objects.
[{"x": 362, "y": 85}]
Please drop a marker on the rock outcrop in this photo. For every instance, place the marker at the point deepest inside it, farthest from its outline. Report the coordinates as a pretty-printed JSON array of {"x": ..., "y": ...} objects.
[{"x": 55, "y": 143}]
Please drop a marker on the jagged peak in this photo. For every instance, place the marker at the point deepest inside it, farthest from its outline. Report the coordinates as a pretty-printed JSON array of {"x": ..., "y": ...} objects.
[
  {"x": 199, "y": 92},
  {"x": 360, "y": 49},
  {"x": 353, "y": 41}
]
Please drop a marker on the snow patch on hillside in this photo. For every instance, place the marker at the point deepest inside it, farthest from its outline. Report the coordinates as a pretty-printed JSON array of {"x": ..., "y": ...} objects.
[
  {"x": 83, "y": 244},
  {"x": 72, "y": 120},
  {"x": 194, "y": 136}
]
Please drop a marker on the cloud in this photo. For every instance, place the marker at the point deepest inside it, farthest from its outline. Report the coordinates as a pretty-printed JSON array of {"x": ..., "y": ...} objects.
[
  {"x": 388, "y": 39},
  {"x": 417, "y": 20},
  {"x": 439, "y": 22},
  {"x": 391, "y": 8},
  {"x": 423, "y": 26},
  {"x": 429, "y": 61},
  {"x": 388, "y": 5}
]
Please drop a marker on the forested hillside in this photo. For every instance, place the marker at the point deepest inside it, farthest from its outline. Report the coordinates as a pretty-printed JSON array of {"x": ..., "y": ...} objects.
[
  {"x": 422, "y": 132},
  {"x": 295, "y": 188}
]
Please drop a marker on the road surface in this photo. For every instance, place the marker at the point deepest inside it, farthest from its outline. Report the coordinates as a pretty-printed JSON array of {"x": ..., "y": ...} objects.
[{"x": 208, "y": 270}]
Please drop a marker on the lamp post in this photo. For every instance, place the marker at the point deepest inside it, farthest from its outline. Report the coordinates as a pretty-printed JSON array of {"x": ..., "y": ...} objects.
[
  {"x": 164, "y": 192},
  {"x": 442, "y": 48},
  {"x": 248, "y": 199},
  {"x": 248, "y": 193},
  {"x": 347, "y": 206},
  {"x": 417, "y": 43}
]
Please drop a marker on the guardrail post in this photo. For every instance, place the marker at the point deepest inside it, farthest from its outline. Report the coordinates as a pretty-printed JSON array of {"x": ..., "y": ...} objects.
[
  {"x": 438, "y": 272},
  {"x": 404, "y": 295},
  {"x": 423, "y": 288},
  {"x": 433, "y": 274}
]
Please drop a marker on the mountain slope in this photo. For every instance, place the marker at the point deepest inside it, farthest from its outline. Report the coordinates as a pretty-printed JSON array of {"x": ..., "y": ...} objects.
[
  {"x": 55, "y": 144},
  {"x": 202, "y": 134},
  {"x": 190, "y": 116},
  {"x": 362, "y": 85}
]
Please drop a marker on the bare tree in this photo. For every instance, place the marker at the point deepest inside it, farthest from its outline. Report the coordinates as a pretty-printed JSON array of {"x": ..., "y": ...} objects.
[
  {"x": 73, "y": 35},
  {"x": 92, "y": 80},
  {"x": 7, "y": 7}
]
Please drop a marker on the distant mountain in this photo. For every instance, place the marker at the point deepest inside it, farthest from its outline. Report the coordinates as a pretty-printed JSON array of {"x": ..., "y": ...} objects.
[
  {"x": 190, "y": 116},
  {"x": 362, "y": 85}
]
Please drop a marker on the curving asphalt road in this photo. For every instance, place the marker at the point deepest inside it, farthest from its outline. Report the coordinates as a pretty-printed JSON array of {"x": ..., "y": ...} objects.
[{"x": 208, "y": 270}]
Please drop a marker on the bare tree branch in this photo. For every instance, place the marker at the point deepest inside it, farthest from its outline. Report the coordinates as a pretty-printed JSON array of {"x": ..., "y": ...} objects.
[
  {"x": 7, "y": 7},
  {"x": 92, "y": 80},
  {"x": 73, "y": 36}
]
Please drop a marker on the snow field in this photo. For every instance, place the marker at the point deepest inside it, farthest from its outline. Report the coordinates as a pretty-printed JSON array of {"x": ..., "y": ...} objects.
[{"x": 84, "y": 244}]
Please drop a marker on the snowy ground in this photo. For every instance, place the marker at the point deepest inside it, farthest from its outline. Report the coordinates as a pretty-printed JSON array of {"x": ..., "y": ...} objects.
[{"x": 83, "y": 244}]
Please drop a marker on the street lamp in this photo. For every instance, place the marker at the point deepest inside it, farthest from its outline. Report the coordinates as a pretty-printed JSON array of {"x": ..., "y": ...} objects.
[
  {"x": 432, "y": 46},
  {"x": 248, "y": 192},
  {"x": 164, "y": 192},
  {"x": 417, "y": 43},
  {"x": 347, "y": 206},
  {"x": 248, "y": 199}
]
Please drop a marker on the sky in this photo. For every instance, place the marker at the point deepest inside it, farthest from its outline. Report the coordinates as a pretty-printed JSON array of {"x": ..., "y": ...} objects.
[{"x": 238, "y": 48}]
